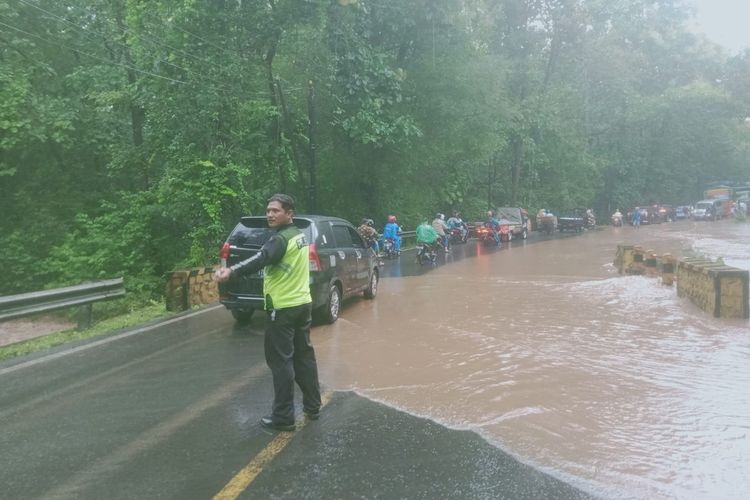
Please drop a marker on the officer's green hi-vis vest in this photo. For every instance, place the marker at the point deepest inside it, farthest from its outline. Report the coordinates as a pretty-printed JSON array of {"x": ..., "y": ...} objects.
[{"x": 287, "y": 284}]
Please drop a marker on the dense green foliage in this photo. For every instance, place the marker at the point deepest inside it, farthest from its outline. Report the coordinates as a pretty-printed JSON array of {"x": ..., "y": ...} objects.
[{"x": 133, "y": 133}]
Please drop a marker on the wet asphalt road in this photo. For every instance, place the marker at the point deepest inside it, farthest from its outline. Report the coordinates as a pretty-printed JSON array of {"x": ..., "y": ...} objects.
[
  {"x": 171, "y": 411},
  {"x": 406, "y": 264}
]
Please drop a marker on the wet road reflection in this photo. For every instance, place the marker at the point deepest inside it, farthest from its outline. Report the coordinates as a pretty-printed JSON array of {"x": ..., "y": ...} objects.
[
  {"x": 610, "y": 382},
  {"x": 406, "y": 264}
]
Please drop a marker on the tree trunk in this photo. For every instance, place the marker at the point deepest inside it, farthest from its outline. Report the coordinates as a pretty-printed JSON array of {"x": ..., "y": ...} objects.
[
  {"x": 275, "y": 127},
  {"x": 517, "y": 154},
  {"x": 289, "y": 127},
  {"x": 140, "y": 177},
  {"x": 137, "y": 113},
  {"x": 313, "y": 188}
]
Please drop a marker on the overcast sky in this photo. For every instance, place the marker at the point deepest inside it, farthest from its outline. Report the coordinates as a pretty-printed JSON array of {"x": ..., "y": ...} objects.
[{"x": 727, "y": 22}]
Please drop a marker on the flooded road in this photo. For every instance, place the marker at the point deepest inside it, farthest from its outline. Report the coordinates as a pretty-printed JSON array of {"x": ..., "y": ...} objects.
[{"x": 611, "y": 383}]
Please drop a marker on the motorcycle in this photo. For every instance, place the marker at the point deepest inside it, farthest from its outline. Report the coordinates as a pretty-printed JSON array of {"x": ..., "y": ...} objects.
[
  {"x": 486, "y": 235},
  {"x": 426, "y": 254},
  {"x": 389, "y": 251},
  {"x": 589, "y": 222},
  {"x": 458, "y": 235},
  {"x": 617, "y": 220},
  {"x": 505, "y": 233}
]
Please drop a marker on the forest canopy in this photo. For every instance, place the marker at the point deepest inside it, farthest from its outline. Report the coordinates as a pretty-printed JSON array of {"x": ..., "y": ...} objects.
[{"x": 134, "y": 133}]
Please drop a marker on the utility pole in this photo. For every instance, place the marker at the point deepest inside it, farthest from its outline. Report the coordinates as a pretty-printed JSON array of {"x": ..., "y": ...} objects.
[{"x": 313, "y": 189}]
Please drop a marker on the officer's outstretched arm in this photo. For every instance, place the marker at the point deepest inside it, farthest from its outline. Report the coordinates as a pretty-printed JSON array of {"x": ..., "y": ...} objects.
[{"x": 270, "y": 253}]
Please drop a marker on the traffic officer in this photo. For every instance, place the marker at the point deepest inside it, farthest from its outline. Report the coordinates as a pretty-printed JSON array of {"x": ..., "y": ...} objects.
[{"x": 286, "y": 288}]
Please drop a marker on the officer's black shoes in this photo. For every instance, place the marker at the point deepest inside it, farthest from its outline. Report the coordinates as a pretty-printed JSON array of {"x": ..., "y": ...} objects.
[
  {"x": 268, "y": 423},
  {"x": 312, "y": 415}
]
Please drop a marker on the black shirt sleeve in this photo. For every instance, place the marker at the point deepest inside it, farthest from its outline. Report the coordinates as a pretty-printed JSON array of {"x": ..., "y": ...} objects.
[{"x": 270, "y": 253}]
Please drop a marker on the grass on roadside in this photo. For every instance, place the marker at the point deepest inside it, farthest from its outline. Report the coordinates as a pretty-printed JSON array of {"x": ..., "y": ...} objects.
[{"x": 133, "y": 318}]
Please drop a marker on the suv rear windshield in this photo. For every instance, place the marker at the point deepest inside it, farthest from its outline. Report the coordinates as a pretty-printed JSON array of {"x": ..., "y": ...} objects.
[{"x": 254, "y": 231}]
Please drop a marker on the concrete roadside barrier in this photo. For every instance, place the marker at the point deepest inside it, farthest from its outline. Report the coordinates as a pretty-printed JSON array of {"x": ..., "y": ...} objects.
[
  {"x": 650, "y": 263},
  {"x": 630, "y": 259},
  {"x": 716, "y": 288},
  {"x": 624, "y": 259},
  {"x": 668, "y": 264},
  {"x": 639, "y": 257}
]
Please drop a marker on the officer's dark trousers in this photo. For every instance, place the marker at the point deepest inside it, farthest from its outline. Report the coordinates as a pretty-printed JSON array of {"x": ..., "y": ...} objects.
[{"x": 290, "y": 356}]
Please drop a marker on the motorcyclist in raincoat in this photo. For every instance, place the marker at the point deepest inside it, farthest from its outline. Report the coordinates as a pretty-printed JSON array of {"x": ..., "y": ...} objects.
[
  {"x": 427, "y": 242},
  {"x": 368, "y": 233},
  {"x": 391, "y": 230},
  {"x": 426, "y": 234},
  {"x": 617, "y": 218},
  {"x": 457, "y": 222},
  {"x": 441, "y": 228},
  {"x": 494, "y": 225}
]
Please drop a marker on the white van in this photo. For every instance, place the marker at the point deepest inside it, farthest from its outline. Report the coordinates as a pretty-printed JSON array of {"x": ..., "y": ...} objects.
[{"x": 708, "y": 210}]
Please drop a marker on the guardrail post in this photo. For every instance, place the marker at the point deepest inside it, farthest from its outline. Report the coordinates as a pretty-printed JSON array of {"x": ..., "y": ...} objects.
[{"x": 84, "y": 316}]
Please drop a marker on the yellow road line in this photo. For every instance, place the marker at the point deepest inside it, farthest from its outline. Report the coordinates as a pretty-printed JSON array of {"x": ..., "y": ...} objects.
[{"x": 247, "y": 475}]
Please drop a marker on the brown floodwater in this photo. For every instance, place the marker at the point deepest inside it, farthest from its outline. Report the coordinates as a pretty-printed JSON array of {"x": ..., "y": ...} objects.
[{"x": 610, "y": 382}]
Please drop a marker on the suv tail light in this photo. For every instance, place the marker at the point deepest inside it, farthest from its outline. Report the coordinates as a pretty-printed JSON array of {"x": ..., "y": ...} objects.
[
  {"x": 224, "y": 254},
  {"x": 314, "y": 259}
]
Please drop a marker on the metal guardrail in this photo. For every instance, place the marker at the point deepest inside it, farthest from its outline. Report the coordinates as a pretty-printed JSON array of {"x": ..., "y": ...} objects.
[
  {"x": 408, "y": 235},
  {"x": 26, "y": 304}
]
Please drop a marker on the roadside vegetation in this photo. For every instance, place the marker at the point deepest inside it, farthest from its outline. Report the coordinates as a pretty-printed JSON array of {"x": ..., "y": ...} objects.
[
  {"x": 134, "y": 134},
  {"x": 143, "y": 314}
]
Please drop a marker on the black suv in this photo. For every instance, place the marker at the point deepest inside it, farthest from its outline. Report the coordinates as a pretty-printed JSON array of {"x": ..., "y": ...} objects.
[{"x": 341, "y": 265}]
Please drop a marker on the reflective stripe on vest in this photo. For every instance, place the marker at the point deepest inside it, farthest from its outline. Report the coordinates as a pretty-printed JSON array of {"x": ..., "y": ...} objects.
[{"x": 287, "y": 284}]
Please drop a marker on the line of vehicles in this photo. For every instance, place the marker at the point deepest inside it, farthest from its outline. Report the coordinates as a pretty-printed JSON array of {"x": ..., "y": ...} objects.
[
  {"x": 656, "y": 214},
  {"x": 718, "y": 203},
  {"x": 343, "y": 264}
]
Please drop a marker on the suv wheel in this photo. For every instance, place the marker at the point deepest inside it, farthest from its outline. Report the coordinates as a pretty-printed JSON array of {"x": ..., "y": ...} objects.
[
  {"x": 330, "y": 311},
  {"x": 243, "y": 315},
  {"x": 372, "y": 287}
]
